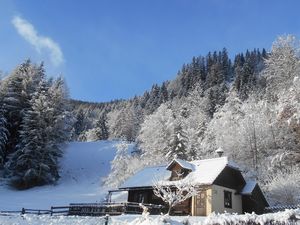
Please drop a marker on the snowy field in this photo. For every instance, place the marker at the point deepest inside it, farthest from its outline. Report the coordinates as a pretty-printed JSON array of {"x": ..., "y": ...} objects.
[
  {"x": 83, "y": 168},
  {"x": 289, "y": 217}
]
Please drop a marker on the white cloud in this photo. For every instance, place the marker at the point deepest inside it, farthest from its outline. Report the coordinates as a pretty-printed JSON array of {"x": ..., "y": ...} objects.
[{"x": 28, "y": 32}]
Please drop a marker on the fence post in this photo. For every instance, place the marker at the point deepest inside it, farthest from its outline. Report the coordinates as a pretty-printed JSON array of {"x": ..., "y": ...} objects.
[
  {"x": 23, "y": 211},
  {"x": 51, "y": 211}
]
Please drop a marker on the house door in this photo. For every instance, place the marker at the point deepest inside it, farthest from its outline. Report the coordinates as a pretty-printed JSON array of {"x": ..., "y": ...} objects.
[{"x": 201, "y": 204}]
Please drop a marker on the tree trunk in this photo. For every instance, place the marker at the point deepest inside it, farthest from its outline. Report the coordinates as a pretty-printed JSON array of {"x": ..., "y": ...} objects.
[{"x": 169, "y": 210}]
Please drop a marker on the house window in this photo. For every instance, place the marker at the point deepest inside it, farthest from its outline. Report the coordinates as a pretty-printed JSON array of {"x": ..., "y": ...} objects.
[{"x": 227, "y": 199}]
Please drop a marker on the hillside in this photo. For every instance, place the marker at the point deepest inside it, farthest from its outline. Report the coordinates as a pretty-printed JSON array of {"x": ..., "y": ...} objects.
[{"x": 83, "y": 167}]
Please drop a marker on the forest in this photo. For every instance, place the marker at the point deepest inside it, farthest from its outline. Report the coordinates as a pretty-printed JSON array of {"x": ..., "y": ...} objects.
[{"x": 248, "y": 105}]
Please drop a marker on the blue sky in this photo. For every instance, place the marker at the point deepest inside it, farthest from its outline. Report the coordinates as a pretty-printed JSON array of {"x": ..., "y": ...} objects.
[{"x": 109, "y": 49}]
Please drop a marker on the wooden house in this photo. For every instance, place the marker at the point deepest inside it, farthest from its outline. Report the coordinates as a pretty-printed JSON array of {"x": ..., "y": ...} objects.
[{"x": 222, "y": 187}]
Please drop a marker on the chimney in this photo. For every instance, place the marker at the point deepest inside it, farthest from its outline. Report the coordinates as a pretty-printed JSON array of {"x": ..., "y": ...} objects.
[{"x": 219, "y": 151}]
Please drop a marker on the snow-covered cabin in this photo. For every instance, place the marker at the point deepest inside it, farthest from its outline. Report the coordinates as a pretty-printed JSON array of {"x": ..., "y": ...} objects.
[{"x": 222, "y": 187}]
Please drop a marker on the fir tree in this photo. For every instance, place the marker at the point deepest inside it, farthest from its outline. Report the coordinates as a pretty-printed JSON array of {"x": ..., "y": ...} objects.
[
  {"x": 3, "y": 138},
  {"x": 43, "y": 130},
  {"x": 178, "y": 144},
  {"x": 102, "y": 127},
  {"x": 18, "y": 89},
  {"x": 163, "y": 93},
  {"x": 79, "y": 125},
  {"x": 34, "y": 163}
]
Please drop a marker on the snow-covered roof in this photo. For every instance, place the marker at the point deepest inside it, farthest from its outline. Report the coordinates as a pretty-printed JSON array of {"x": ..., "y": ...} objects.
[
  {"x": 146, "y": 177},
  {"x": 182, "y": 163},
  {"x": 248, "y": 188},
  {"x": 204, "y": 173}
]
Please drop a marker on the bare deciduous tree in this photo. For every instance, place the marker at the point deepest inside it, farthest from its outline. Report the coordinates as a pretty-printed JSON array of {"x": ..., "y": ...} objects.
[{"x": 174, "y": 192}]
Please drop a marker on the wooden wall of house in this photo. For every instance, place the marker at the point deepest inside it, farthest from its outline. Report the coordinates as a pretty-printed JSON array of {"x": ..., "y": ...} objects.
[
  {"x": 230, "y": 178},
  {"x": 176, "y": 170},
  {"x": 201, "y": 203},
  {"x": 255, "y": 202},
  {"x": 183, "y": 208},
  {"x": 144, "y": 196}
]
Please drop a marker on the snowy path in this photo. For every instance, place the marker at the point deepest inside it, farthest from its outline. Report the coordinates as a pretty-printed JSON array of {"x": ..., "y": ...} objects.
[{"x": 83, "y": 167}]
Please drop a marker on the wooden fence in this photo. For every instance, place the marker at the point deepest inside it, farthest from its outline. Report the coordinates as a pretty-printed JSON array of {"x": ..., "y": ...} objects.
[
  {"x": 93, "y": 209},
  {"x": 112, "y": 209}
]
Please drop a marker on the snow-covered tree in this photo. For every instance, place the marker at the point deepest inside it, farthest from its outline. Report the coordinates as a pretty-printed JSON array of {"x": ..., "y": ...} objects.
[
  {"x": 103, "y": 133},
  {"x": 175, "y": 192},
  {"x": 123, "y": 165},
  {"x": 125, "y": 122},
  {"x": 156, "y": 133},
  {"x": 3, "y": 138},
  {"x": 44, "y": 128},
  {"x": 195, "y": 123},
  {"x": 62, "y": 120},
  {"x": 282, "y": 65},
  {"x": 177, "y": 148},
  {"x": 17, "y": 90},
  {"x": 79, "y": 124},
  {"x": 247, "y": 131},
  {"x": 92, "y": 134},
  {"x": 27, "y": 166},
  {"x": 283, "y": 187}
]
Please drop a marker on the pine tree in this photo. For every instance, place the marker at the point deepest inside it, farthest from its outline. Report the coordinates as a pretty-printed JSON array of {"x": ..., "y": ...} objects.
[
  {"x": 43, "y": 130},
  {"x": 178, "y": 144},
  {"x": 18, "y": 89},
  {"x": 226, "y": 64},
  {"x": 33, "y": 163},
  {"x": 153, "y": 101},
  {"x": 163, "y": 93},
  {"x": 79, "y": 125},
  {"x": 103, "y": 129},
  {"x": 3, "y": 138},
  {"x": 62, "y": 118}
]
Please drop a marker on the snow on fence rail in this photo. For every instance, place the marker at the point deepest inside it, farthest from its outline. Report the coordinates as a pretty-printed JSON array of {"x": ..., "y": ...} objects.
[
  {"x": 93, "y": 209},
  {"x": 51, "y": 212},
  {"x": 99, "y": 209}
]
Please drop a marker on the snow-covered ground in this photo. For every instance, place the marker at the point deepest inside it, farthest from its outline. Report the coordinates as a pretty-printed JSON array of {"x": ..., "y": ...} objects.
[
  {"x": 282, "y": 218},
  {"x": 83, "y": 167}
]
